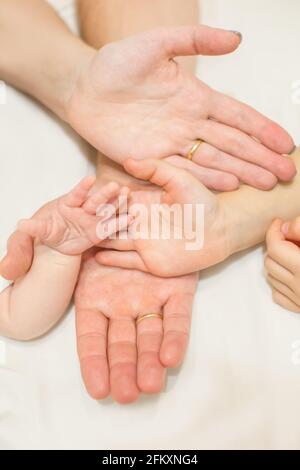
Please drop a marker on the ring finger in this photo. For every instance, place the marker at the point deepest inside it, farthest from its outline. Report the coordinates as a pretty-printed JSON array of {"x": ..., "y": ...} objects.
[
  {"x": 151, "y": 373},
  {"x": 122, "y": 359},
  {"x": 210, "y": 157},
  {"x": 236, "y": 143}
]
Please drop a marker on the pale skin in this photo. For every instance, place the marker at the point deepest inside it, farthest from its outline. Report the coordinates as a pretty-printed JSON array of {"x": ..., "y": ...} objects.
[
  {"x": 21, "y": 244},
  {"x": 72, "y": 63},
  {"x": 116, "y": 355},
  {"x": 132, "y": 98},
  {"x": 282, "y": 263},
  {"x": 62, "y": 231},
  {"x": 244, "y": 217},
  {"x": 233, "y": 221}
]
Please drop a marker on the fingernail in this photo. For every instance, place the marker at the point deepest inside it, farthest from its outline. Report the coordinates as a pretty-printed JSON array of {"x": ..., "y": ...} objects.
[
  {"x": 285, "y": 228},
  {"x": 237, "y": 33}
]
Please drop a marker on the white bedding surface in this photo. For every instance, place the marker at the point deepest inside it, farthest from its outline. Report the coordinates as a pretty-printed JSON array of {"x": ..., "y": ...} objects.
[{"x": 240, "y": 384}]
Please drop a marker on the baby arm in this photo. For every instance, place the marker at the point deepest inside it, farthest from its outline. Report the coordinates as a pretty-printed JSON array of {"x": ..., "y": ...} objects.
[
  {"x": 63, "y": 230},
  {"x": 34, "y": 303}
]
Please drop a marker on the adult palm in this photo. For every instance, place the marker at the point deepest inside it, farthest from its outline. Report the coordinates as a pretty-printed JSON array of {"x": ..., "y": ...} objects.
[
  {"x": 116, "y": 354},
  {"x": 132, "y": 99}
]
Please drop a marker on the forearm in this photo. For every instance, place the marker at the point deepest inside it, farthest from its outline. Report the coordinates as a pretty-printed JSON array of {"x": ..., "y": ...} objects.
[
  {"x": 249, "y": 212},
  {"x": 105, "y": 21},
  {"x": 40, "y": 55},
  {"x": 36, "y": 302}
]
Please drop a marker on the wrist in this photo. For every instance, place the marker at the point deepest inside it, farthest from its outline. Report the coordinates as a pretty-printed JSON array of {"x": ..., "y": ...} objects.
[
  {"x": 231, "y": 226},
  {"x": 108, "y": 170},
  {"x": 54, "y": 256},
  {"x": 79, "y": 56}
]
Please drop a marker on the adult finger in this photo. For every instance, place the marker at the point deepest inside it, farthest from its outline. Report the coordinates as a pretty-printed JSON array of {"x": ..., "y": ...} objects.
[
  {"x": 122, "y": 354},
  {"x": 150, "y": 371},
  {"x": 238, "y": 144},
  {"x": 240, "y": 116},
  {"x": 91, "y": 330},
  {"x": 248, "y": 173},
  {"x": 176, "y": 323}
]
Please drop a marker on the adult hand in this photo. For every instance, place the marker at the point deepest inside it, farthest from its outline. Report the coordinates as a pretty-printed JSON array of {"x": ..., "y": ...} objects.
[
  {"x": 116, "y": 354},
  {"x": 133, "y": 100}
]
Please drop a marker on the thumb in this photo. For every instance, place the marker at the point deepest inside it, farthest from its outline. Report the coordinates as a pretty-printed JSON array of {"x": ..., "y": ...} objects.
[
  {"x": 200, "y": 40},
  {"x": 19, "y": 256},
  {"x": 275, "y": 234},
  {"x": 291, "y": 230},
  {"x": 177, "y": 183}
]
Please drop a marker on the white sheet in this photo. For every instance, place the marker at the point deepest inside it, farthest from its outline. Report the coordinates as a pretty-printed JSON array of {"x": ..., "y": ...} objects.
[{"x": 240, "y": 384}]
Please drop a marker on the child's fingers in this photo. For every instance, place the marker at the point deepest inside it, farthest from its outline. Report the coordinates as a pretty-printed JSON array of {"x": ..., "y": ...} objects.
[
  {"x": 286, "y": 254},
  {"x": 285, "y": 302},
  {"x": 117, "y": 205},
  {"x": 278, "y": 271},
  {"x": 77, "y": 196},
  {"x": 113, "y": 226},
  {"x": 36, "y": 228},
  {"x": 275, "y": 234},
  {"x": 283, "y": 252},
  {"x": 101, "y": 197},
  {"x": 122, "y": 201},
  {"x": 291, "y": 230},
  {"x": 283, "y": 289}
]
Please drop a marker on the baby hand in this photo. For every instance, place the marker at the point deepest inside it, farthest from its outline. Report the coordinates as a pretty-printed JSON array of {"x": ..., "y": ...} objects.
[
  {"x": 80, "y": 219},
  {"x": 180, "y": 229},
  {"x": 283, "y": 263}
]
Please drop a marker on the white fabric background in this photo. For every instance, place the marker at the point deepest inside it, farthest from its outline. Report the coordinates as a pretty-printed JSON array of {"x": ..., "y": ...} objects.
[{"x": 240, "y": 384}]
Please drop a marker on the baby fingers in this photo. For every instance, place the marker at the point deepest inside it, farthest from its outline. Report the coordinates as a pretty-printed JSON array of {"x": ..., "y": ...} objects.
[
  {"x": 109, "y": 228},
  {"x": 106, "y": 201}
]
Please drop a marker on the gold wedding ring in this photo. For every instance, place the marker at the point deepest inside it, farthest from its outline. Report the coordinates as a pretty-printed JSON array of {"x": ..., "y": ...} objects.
[
  {"x": 149, "y": 315},
  {"x": 194, "y": 149}
]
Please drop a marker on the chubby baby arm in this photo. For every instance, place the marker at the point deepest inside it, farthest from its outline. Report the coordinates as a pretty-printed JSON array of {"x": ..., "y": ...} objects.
[
  {"x": 35, "y": 303},
  {"x": 63, "y": 230}
]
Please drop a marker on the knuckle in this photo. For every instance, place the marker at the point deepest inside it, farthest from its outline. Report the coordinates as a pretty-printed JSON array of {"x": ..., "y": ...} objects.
[
  {"x": 235, "y": 142},
  {"x": 266, "y": 181}
]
